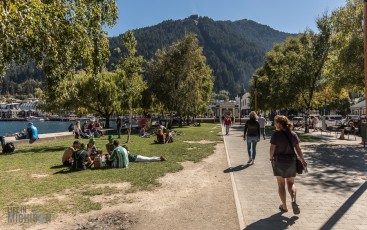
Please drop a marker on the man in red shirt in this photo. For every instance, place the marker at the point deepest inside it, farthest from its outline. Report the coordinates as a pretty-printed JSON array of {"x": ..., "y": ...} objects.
[{"x": 227, "y": 122}]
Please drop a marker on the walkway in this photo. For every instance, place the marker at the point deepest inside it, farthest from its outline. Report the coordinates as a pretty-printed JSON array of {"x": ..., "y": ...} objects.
[{"x": 331, "y": 196}]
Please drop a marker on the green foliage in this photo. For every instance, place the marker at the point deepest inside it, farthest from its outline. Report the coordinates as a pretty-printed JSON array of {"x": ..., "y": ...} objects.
[
  {"x": 294, "y": 70},
  {"x": 180, "y": 78},
  {"x": 129, "y": 71},
  {"x": 59, "y": 36},
  {"x": 346, "y": 64}
]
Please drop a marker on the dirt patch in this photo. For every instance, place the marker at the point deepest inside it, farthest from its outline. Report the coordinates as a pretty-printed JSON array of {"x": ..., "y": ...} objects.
[
  {"x": 203, "y": 142},
  {"x": 115, "y": 221},
  {"x": 198, "y": 197},
  {"x": 13, "y": 170},
  {"x": 39, "y": 175}
]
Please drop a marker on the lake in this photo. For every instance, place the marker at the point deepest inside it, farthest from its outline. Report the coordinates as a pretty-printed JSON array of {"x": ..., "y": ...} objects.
[{"x": 10, "y": 127}]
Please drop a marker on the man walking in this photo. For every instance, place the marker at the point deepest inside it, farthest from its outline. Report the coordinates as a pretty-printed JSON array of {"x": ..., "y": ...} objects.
[
  {"x": 227, "y": 122},
  {"x": 262, "y": 123}
]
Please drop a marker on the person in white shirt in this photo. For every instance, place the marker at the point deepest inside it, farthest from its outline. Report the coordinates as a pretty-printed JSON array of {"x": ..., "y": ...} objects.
[{"x": 262, "y": 123}]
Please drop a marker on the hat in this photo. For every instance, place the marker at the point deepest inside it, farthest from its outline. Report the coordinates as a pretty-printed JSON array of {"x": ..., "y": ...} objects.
[
  {"x": 92, "y": 140},
  {"x": 82, "y": 146},
  {"x": 110, "y": 137}
]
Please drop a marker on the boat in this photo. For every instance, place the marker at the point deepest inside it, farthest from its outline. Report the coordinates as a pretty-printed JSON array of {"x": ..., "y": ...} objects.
[{"x": 33, "y": 118}]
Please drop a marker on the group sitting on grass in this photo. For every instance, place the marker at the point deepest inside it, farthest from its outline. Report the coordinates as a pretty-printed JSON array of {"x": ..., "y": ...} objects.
[
  {"x": 79, "y": 157},
  {"x": 163, "y": 135}
]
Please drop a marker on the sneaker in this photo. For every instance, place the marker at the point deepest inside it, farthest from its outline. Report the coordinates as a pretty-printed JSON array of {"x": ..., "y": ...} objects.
[
  {"x": 252, "y": 162},
  {"x": 163, "y": 158},
  {"x": 249, "y": 161}
]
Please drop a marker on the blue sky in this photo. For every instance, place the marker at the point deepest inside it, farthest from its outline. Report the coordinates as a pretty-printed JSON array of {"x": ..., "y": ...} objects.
[{"x": 291, "y": 16}]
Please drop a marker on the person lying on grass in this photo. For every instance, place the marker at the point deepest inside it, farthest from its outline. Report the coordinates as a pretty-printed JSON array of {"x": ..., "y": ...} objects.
[
  {"x": 140, "y": 158},
  {"x": 66, "y": 157}
]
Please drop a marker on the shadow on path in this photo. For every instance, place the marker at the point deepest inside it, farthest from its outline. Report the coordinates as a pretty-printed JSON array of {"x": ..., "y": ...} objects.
[
  {"x": 344, "y": 208},
  {"x": 235, "y": 169},
  {"x": 276, "y": 221}
]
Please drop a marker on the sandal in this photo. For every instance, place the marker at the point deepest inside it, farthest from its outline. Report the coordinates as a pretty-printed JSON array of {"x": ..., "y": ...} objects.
[
  {"x": 282, "y": 209},
  {"x": 295, "y": 208}
]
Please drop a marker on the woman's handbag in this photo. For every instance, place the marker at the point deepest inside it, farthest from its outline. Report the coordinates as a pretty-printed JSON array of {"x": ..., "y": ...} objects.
[{"x": 299, "y": 166}]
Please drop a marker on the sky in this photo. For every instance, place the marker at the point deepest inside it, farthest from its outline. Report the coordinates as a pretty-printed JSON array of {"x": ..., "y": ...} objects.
[{"x": 292, "y": 16}]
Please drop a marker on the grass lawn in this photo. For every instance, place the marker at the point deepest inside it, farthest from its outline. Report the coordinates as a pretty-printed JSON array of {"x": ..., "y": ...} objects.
[{"x": 35, "y": 171}]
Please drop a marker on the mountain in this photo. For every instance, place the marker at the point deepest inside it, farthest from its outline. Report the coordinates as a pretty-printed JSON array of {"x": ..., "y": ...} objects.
[{"x": 234, "y": 50}]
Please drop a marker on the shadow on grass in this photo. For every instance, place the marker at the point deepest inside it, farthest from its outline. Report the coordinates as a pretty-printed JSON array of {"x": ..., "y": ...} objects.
[
  {"x": 66, "y": 171},
  {"x": 38, "y": 149},
  {"x": 236, "y": 169},
  {"x": 58, "y": 167},
  {"x": 275, "y": 222}
]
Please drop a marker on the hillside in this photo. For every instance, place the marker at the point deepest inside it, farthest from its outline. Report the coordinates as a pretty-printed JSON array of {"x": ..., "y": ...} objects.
[{"x": 233, "y": 49}]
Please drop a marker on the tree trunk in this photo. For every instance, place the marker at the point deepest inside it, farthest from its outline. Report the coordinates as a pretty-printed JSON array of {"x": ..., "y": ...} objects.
[
  {"x": 107, "y": 123},
  {"x": 130, "y": 122},
  {"x": 307, "y": 130}
]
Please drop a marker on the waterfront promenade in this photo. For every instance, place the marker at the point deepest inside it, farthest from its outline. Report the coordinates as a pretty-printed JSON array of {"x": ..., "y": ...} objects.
[{"x": 331, "y": 196}]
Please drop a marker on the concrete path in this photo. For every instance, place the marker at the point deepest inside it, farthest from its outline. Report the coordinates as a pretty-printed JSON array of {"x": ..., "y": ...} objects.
[{"x": 331, "y": 196}]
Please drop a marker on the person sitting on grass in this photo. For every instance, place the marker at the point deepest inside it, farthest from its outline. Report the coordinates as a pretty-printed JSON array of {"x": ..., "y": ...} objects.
[
  {"x": 168, "y": 136},
  {"x": 109, "y": 146},
  {"x": 92, "y": 150},
  {"x": 118, "y": 157},
  {"x": 67, "y": 157},
  {"x": 160, "y": 136},
  {"x": 79, "y": 158},
  {"x": 140, "y": 158},
  {"x": 143, "y": 133}
]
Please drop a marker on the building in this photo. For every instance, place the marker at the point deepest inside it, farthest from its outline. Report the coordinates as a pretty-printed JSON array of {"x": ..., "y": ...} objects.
[
  {"x": 359, "y": 108},
  {"x": 19, "y": 109}
]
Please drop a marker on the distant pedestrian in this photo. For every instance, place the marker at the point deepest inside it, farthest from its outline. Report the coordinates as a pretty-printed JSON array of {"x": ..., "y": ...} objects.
[
  {"x": 262, "y": 123},
  {"x": 252, "y": 135},
  {"x": 283, "y": 158},
  {"x": 227, "y": 123},
  {"x": 315, "y": 123},
  {"x": 119, "y": 126}
]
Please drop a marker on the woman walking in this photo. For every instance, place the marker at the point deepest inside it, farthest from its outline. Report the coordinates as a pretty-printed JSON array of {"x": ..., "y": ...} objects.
[
  {"x": 252, "y": 131},
  {"x": 283, "y": 158}
]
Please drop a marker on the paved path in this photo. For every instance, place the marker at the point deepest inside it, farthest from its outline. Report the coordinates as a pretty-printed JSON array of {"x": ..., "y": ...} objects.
[{"x": 331, "y": 196}]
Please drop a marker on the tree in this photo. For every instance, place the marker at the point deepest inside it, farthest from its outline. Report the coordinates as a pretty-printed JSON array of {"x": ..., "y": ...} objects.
[
  {"x": 131, "y": 80},
  {"x": 345, "y": 67},
  {"x": 295, "y": 68},
  {"x": 180, "y": 78},
  {"x": 60, "y": 36},
  {"x": 99, "y": 94}
]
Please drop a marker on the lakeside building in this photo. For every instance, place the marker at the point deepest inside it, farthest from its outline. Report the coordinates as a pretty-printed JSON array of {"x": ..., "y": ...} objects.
[{"x": 19, "y": 109}]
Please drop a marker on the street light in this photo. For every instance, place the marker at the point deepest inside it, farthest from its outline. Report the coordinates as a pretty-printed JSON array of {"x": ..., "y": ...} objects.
[
  {"x": 365, "y": 47},
  {"x": 255, "y": 90}
]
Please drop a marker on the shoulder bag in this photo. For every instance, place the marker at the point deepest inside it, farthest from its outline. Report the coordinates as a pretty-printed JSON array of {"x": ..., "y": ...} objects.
[{"x": 299, "y": 166}]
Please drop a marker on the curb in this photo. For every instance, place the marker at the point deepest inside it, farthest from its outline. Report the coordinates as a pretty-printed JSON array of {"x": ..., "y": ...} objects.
[{"x": 241, "y": 219}]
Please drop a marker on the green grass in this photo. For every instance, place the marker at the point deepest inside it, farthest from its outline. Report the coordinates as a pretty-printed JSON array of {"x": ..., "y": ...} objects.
[{"x": 34, "y": 171}]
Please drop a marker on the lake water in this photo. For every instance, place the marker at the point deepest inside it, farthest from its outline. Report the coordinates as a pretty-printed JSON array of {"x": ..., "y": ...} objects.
[{"x": 10, "y": 127}]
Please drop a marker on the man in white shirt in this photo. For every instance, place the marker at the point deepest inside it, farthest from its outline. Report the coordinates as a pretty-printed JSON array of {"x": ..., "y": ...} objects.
[{"x": 262, "y": 123}]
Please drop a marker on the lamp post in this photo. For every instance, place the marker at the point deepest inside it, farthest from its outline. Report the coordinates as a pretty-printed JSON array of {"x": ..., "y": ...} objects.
[
  {"x": 255, "y": 90},
  {"x": 365, "y": 48}
]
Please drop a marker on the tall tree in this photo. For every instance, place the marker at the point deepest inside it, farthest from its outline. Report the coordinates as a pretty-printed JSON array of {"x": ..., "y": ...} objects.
[
  {"x": 130, "y": 72},
  {"x": 180, "y": 77},
  {"x": 345, "y": 67},
  {"x": 60, "y": 36},
  {"x": 295, "y": 68}
]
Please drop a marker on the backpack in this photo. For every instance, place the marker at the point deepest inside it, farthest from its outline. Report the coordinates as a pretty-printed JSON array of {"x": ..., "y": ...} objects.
[{"x": 8, "y": 148}]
